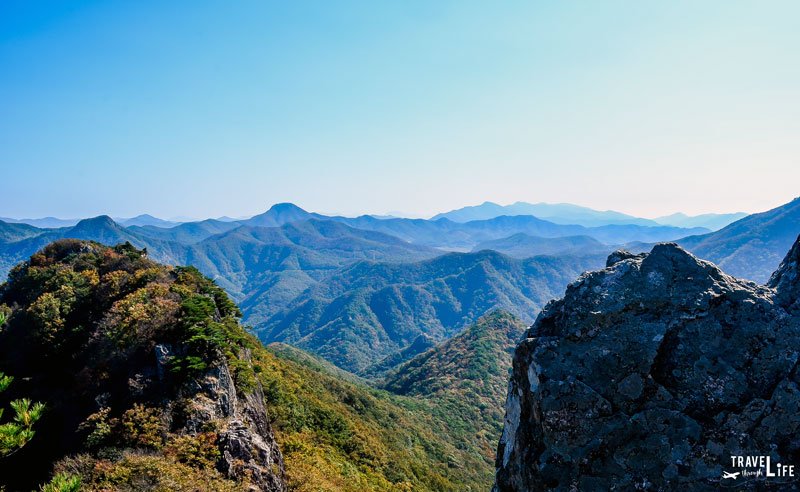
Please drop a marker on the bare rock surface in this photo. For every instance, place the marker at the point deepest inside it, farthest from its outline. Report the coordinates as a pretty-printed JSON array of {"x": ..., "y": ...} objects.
[
  {"x": 248, "y": 448},
  {"x": 651, "y": 374}
]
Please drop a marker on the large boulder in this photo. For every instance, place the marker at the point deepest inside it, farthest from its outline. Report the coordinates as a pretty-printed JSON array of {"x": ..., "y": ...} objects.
[{"x": 653, "y": 374}]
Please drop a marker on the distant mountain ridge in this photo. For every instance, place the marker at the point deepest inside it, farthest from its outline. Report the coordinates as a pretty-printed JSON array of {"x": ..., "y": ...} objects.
[
  {"x": 567, "y": 213},
  {"x": 440, "y": 232},
  {"x": 146, "y": 220},
  {"x": 713, "y": 222},
  {"x": 446, "y": 234},
  {"x": 361, "y": 290},
  {"x": 189, "y": 242},
  {"x": 751, "y": 247},
  {"x": 43, "y": 222},
  {"x": 559, "y": 213},
  {"x": 522, "y": 245}
]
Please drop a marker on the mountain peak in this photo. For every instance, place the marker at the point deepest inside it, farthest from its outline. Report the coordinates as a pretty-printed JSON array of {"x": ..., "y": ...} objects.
[
  {"x": 146, "y": 220},
  {"x": 664, "y": 258},
  {"x": 671, "y": 251},
  {"x": 284, "y": 207},
  {"x": 99, "y": 222},
  {"x": 278, "y": 215}
]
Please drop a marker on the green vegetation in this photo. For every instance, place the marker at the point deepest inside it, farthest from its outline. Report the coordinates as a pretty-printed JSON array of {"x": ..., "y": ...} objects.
[
  {"x": 464, "y": 380},
  {"x": 85, "y": 325},
  {"x": 370, "y": 310},
  {"x": 525, "y": 246},
  {"x": 263, "y": 268},
  {"x": 63, "y": 482},
  {"x": 340, "y": 435},
  {"x": 17, "y": 433}
]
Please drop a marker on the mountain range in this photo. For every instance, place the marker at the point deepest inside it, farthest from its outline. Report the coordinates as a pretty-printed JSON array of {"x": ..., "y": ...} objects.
[
  {"x": 386, "y": 357},
  {"x": 522, "y": 245},
  {"x": 264, "y": 266},
  {"x": 751, "y": 247},
  {"x": 362, "y": 291},
  {"x": 559, "y": 213},
  {"x": 567, "y": 213},
  {"x": 714, "y": 222},
  {"x": 371, "y": 310}
]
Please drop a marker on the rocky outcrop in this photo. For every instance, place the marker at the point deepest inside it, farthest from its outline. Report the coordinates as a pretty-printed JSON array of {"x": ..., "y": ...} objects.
[
  {"x": 136, "y": 363},
  {"x": 651, "y": 374},
  {"x": 248, "y": 449}
]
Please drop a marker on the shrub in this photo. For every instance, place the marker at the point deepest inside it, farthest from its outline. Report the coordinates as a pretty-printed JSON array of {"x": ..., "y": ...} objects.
[
  {"x": 142, "y": 426},
  {"x": 99, "y": 427},
  {"x": 62, "y": 482},
  {"x": 198, "y": 451}
]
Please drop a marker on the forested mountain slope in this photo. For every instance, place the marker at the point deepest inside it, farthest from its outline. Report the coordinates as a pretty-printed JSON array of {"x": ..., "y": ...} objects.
[{"x": 371, "y": 310}]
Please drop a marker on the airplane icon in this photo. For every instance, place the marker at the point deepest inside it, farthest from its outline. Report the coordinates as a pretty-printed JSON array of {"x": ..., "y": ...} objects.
[{"x": 730, "y": 475}]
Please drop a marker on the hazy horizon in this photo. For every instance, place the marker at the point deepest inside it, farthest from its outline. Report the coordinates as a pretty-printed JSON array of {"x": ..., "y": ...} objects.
[
  {"x": 394, "y": 213},
  {"x": 217, "y": 109}
]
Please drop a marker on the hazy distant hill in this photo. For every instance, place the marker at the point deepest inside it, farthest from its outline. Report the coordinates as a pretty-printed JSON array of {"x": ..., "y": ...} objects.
[
  {"x": 146, "y": 220},
  {"x": 266, "y": 267},
  {"x": 370, "y": 310},
  {"x": 524, "y": 246},
  {"x": 712, "y": 222},
  {"x": 446, "y": 234},
  {"x": 467, "y": 378},
  {"x": 751, "y": 247},
  {"x": 560, "y": 213},
  {"x": 262, "y": 267},
  {"x": 188, "y": 232},
  {"x": 10, "y": 232},
  {"x": 443, "y": 233},
  {"x": 44, "y": 222},
  {"x": 280, "y": 214}
]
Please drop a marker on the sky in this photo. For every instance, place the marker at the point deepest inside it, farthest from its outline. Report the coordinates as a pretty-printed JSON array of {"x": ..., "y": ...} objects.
[{"x": 203, "y": 109}]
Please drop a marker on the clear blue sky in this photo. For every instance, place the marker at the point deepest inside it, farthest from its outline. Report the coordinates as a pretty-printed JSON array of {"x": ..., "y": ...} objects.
[{"x": 210, "y": 108}]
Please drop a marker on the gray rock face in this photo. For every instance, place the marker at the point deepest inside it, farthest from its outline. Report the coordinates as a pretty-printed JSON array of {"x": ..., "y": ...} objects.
[
  {"x": 247, "y": 445},
  {"x": 651, "y": 374}
]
